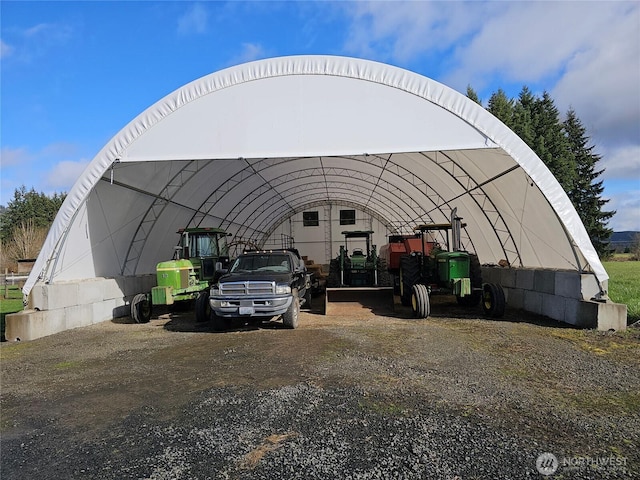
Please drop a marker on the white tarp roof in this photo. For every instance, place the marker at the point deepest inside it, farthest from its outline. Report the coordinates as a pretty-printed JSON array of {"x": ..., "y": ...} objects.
[{"x": 247, "y": 147}]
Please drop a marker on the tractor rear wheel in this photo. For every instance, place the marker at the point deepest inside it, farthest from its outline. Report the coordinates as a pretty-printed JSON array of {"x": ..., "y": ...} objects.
[
  {"x": 493, "y": 301},
  {"x": 203, "y": 309},
  {"x": 420, "y": 305},
  {"x": 141, "y": 308},
  {"x": 409, "y": 276}
]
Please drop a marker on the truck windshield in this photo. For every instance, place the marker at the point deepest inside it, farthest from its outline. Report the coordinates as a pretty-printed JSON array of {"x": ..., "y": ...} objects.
[{"x": 261, "y": 263}]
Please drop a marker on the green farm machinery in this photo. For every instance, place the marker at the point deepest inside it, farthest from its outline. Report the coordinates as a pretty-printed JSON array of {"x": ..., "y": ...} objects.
[
  {"x": 361, "y": 277},
  {"x": 197, "y": 262},
  {"x": 433, "y": 269}
]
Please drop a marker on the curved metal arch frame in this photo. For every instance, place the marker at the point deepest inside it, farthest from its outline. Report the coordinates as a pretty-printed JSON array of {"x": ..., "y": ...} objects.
[
  {"x": 259, "y": 196},
  {"x": 405, "y": 175},
  {"x": 469, "y": 189},
  {"x": 321, "y": 203},
  {"x": 155, "y": 210},
  {"x": 193, "y": 167},
  {"x": 346, "y": 193}
]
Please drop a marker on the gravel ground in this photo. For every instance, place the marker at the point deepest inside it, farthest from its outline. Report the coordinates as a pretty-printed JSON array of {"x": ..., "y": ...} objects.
[{"x": 357, "y": 397}]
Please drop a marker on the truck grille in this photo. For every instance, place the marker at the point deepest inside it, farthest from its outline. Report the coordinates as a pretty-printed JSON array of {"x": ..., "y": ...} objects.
[{"x": 248, "y": 288}]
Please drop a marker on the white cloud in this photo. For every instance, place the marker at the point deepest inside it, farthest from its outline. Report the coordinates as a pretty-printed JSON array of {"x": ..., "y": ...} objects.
[
  {"x": 621, "y": 163},
  {"x": 10, "y": 157},
  {"x": 64, "y": 174},
  {"x": 5, "y": 49},
  {"x": 627, "y": 207},
  {"x": 194, "y": 20},
  {"x": 250, "y": 52}
]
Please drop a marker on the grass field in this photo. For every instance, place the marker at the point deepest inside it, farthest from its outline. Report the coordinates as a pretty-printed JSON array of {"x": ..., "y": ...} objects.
[
  {"x": 10, "y": 303},
  {"x": 624, "y": 286}
]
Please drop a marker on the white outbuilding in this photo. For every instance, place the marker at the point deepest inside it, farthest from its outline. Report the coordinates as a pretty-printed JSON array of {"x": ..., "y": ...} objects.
[{"x": 253, "y": 147}]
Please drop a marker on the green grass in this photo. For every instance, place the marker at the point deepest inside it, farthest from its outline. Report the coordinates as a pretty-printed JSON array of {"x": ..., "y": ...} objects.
[
  {"x": 624, "y": 286},
  {"x": 10, "y": 303}
]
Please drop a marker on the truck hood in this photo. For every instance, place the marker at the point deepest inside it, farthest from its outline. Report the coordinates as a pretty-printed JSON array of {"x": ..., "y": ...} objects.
[{"x": 256, "y": 277}]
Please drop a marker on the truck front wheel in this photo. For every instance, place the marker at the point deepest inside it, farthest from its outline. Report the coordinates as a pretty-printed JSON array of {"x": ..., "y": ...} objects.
[
  {"x": 290, "y": 317},
  {"x": 203, "y": 309}
]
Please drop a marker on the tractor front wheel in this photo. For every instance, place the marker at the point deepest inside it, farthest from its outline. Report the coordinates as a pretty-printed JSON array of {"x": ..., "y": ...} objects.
[
  {"x": 493, "y": 301},
  {"x": 203, "y": 309},
  {"x": 420, "y": 305},
  {"x": 141, "y": 308}
]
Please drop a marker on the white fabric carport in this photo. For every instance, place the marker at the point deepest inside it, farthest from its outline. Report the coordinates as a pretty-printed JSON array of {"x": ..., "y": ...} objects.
[{"x": 247, "y": 147}]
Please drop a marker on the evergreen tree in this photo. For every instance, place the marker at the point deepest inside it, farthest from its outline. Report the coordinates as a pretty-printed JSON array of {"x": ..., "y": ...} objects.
[
  {"x": 472, "y": 95},
  {"x": 586, "y": 194},
  {"x": 522, "y": 116},
  {"x": 501, "y": 107},
  {"x": 550, "y": 142},
  {"x": 29, "y": 207}
]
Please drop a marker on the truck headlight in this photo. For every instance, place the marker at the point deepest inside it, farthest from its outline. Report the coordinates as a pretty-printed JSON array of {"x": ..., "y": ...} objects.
[
  {"x": 282, "y": 289},
  {"x": 214, "y": 291}
]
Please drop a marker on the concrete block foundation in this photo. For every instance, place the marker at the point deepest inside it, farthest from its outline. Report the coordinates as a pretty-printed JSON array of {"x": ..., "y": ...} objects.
[
  {"x": 563, "y": 295},
  {"x": 53, "y": 308},
  {"x": 566, "y": 296}
]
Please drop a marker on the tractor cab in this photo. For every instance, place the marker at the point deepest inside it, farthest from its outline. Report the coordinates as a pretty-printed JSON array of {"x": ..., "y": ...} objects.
[{"x": 204, "y": 247}]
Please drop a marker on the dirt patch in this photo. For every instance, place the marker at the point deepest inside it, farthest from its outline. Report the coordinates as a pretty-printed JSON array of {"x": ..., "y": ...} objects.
[{"x": 360, "y": 396}]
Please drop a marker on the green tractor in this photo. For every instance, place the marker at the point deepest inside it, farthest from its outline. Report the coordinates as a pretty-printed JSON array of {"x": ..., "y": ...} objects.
[
  {"x": 451, "y": 271},
  {"x": 198, "y": 261},
  {"x": 361, "y": 269}
]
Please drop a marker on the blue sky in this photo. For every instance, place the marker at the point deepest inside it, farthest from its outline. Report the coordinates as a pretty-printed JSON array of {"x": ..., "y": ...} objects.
[{"x": 73, "y": 74}]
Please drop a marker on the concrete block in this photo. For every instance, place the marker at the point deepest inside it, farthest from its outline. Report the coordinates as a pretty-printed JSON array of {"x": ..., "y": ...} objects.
[
  {"x": 612, "y": 316},
  {"x": 103, "y": 311},
  {"x": 60, "y": 295},
  {"x": 507, "y": 277},
  {"x": 567, "y": 284},
  {"x": 32, "y": 324},
  {"x": 572, "y": 310},
  {"x": 78, "y": 316},
  {"x": 590, "y": 286},
  {"x": 553, "y": 306},
  {"x": 111, "y": 289},
  {"x": 92, "y": 290},
  {"x": 514, "y": 297},
  {"x": 544, "y": 280},
  {"x": 603, "y": 316},
  {"x": 525, "y": 278},
  {"x": 533, "y": 301}
]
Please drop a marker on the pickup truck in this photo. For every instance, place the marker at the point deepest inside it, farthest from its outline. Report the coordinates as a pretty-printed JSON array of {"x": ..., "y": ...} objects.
[{"x": 260, "y": 285}]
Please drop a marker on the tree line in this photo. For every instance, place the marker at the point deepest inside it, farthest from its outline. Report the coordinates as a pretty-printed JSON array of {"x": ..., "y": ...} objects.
[
  {"x": 24, "y": 224},
  {"x": 564, "y": 147}
]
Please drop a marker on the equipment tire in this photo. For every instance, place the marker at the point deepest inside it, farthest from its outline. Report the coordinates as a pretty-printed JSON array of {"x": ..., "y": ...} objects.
[
  {"x": 333, "y": 280},
  {"x": 420, "y": 304},
  {"x": 203, "y": 309},
  {"x": 307, "y": 298},
  {"x": 493, "y": 301},
  {"x": 409, "y": 276},
  {"x": 290, "y": 317},
  {"x": 141, "y": 308}
]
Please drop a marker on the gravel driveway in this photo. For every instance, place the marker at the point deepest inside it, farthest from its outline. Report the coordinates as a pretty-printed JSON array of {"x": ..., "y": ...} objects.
[{"x": 357, "y": 397}]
